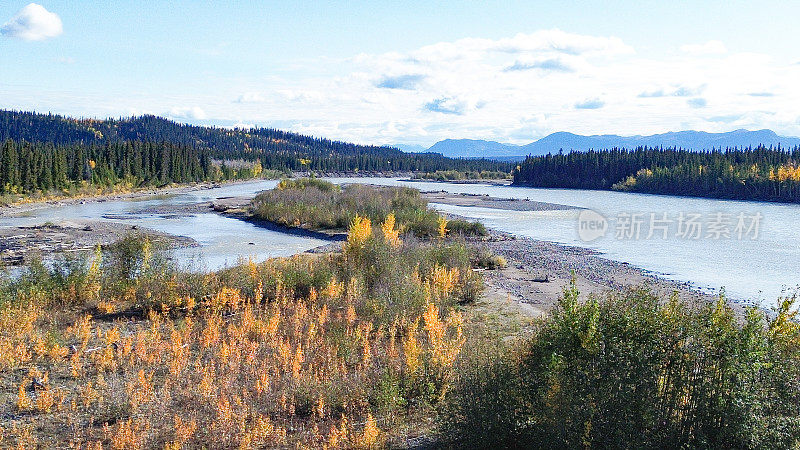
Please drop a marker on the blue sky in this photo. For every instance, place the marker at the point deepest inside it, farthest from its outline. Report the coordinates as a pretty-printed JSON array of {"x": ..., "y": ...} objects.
[{"x": 410, "y": 72}]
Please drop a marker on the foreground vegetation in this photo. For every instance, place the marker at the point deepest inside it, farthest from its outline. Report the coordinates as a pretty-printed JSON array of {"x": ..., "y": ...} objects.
[
  {"x": 335, "y": 350},
  {"x": 745, "y": 174},
  {"x": 320, "y": 205},
  {"x": 362, "y": 348},
  {"x": 368, "y": 346},
  {"x": 635, "y": 371}
]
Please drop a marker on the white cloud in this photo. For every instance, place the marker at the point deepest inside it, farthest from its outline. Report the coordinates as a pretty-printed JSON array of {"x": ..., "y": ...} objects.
[
  {"x": 33, "y": 23},
  {"x": 590, "y": 103},
  {"x": 520, "y": 88},
  {"x": 708, "y": 48},
  {"x": 544, "y": 41},
  {"x": 303, "y": 95},
  {"x": 463, "y": 89},
  {"x": 188, "y": 113},
  {"x": 251, "y": 97}
]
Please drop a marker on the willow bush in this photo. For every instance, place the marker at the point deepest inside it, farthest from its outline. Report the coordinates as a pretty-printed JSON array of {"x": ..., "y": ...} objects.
[
  {"x": 123, "y": 350},
  {"x": 632, "y": 371}
]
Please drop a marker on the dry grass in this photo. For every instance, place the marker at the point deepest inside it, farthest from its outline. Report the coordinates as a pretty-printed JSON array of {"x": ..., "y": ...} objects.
[
  {"x": 320, "y": 205},
  {"x": 305, "y": 351}
]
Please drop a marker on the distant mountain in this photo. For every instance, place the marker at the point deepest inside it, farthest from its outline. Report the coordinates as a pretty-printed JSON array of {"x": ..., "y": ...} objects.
[
  {"x": 472, "y": 148},
  {"x": 690, "y": 140},
  {"x": 410, "y": 148}
]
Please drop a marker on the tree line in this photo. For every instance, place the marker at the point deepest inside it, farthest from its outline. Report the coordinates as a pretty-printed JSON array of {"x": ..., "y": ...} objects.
[
  {"x": 190, "y": 145},
  {"x": 760, "y": 173},
  {"x": 27, "y": 167}
]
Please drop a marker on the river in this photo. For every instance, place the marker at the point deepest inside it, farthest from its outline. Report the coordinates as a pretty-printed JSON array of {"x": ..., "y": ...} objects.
[
  {"x": 223, "y": 241},
  {"x": 757, "y": 262}
]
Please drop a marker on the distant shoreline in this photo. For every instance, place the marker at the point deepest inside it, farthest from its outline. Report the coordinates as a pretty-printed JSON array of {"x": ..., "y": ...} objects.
[
  {"x": 780, "y": 202},
  {"x": 18, "y": 207},
  {"x": 490, "y": 181}
]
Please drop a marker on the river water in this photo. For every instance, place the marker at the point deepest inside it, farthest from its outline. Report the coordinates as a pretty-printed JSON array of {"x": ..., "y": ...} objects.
[
  {"x": 752, "y": 249},
  {"x": 758, "y": 266},
  {"x": 223, "y": 241}
]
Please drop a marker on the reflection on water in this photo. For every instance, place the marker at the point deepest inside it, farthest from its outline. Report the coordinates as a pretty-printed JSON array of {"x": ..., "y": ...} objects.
[{"x": 748, "y": 269}]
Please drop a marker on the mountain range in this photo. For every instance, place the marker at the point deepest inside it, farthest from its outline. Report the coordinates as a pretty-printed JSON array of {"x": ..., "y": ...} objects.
[{"x": 553, "y": 143}]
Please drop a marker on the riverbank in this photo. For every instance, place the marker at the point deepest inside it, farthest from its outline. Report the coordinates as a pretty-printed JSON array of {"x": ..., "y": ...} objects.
[
  {"x": 19, "y": 245},
  {"x": 18, "y": 208},
  {"x": 538, "y": 271}
]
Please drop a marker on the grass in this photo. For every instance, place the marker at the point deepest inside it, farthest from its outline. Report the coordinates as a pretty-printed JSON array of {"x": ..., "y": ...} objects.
[
  {"x": 121, "y": 350},
  {"x": 315, "y": 204}
]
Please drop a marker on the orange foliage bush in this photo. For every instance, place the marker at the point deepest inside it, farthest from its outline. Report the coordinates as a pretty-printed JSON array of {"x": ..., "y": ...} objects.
[{"x": 266, "y": 363}]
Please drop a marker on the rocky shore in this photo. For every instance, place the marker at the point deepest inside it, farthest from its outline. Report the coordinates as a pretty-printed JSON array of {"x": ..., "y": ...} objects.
[
  {"x": 538, "y": 271},
  {"x": 18, "y": 245}
]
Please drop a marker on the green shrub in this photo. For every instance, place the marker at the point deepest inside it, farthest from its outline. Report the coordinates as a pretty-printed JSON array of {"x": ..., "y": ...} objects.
[
  {"x": 303, "y": 183},
  {"x": 631, "y": 371},
  {"x": 485, "y": 408},
  {"x": 466, "y": 228},
  {"x": 59, "y": 283},
  {"x": 484, "y": 259}
]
